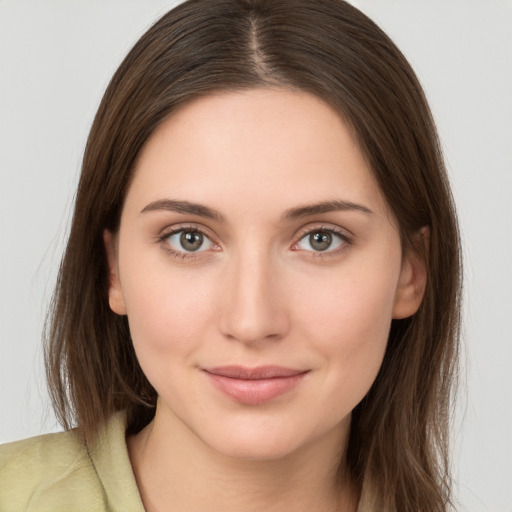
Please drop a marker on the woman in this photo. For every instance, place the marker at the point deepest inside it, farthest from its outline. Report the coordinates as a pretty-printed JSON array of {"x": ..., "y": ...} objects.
[{"x": 258, "y": 304}]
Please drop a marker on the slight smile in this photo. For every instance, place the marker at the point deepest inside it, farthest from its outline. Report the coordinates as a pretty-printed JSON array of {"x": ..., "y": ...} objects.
[{"x": 254, "y": 386}]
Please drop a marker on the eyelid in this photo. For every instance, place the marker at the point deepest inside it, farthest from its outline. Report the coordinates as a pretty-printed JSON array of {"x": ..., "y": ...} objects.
[
  {"x": 169, "y": 231},
  {"x": 323, "y": 226},
  {"x": 186, "y": 226},
  {"x": 346, "y": 235}
]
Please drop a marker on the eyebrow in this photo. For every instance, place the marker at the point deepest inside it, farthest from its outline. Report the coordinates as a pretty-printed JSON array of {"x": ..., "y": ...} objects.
[
  {"x": 183, "y": 207},
  {"x": 291, "y": 214},
  {"x": 324, "y": 207}
]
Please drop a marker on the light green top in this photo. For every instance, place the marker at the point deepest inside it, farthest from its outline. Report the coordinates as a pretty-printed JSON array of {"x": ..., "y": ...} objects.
[{"x": 57, "y": 473}]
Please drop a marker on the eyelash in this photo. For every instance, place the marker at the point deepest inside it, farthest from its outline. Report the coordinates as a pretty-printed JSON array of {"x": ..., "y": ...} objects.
[
  {"x": 183, "y": 256},
  {"x": 346, "y": 241}
]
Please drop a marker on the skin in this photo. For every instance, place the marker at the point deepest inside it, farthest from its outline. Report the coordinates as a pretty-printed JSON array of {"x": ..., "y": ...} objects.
[{"x": 258, "y": 294}]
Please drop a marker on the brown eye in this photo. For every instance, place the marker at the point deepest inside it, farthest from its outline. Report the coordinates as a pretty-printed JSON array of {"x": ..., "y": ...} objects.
[
  {"x": 189, "y": 240},
  {"x": 321, "y": 240}
]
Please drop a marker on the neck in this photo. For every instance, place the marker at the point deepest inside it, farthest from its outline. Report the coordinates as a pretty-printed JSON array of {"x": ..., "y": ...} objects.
[{"x": 177, "y": 471}]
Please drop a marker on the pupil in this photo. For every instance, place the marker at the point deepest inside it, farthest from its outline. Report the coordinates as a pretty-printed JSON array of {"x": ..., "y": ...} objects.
[
  {"x": 320, "y": 241},
  {"x": 191, "y": 240}
]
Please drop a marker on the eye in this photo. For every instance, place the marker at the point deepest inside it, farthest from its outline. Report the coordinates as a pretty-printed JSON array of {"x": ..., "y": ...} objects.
[
  {"x": 321, "y": 240},
  {"x": 188, "y": 240}
]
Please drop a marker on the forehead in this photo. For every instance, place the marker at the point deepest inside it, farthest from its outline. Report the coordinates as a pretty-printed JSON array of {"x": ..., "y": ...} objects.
[{"x": 272, "y": 146}]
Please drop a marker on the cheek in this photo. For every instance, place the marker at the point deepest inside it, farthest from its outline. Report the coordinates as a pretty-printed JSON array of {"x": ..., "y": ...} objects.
[
  {"x": 349, "y": 308},
  {"x": 349, "y": 323},
  {"x": 167, "y": 314}
]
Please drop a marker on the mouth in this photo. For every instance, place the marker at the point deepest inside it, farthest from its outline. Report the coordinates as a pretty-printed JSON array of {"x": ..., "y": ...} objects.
[{"x": 254, "y": 386}]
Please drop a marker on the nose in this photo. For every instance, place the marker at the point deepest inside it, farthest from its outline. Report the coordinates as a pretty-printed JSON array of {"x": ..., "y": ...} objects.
[{"x": 254, "y": 305}]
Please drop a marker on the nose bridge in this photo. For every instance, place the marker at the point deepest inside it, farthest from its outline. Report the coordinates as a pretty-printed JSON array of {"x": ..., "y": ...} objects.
[{"x": 253, "y": 307}]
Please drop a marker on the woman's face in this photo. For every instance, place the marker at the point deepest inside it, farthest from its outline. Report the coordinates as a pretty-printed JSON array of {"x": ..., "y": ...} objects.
[{"x": 260, "y": 268}]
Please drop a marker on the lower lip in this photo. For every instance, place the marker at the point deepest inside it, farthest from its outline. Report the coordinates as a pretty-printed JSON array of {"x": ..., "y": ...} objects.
[{"x": 255, "y": 391}]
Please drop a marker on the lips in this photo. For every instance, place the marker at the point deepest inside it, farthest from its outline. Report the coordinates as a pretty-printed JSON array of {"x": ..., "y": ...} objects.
[{"x": 254, "y": 386}]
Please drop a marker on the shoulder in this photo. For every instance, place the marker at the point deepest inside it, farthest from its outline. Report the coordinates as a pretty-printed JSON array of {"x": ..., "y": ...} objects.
[
  {"x": 49, "y": 472},
  {"x": 55, "y": 449}
]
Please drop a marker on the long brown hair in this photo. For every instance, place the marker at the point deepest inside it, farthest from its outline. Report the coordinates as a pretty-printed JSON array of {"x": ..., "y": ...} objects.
[{"x": 398, "y": 441}]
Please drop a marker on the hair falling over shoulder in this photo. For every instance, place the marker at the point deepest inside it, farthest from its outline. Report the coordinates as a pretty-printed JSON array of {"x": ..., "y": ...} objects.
[{"x": 399, "y": 435}]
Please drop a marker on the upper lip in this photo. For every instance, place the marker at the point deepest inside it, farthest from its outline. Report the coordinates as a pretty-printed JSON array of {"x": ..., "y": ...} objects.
[{"x": 256, "y": 373}]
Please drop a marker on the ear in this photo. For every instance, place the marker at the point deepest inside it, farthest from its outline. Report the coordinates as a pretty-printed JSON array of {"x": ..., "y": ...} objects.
[
  {"x": 115, "y": 291},
  {"x": 413, "y": 278}
]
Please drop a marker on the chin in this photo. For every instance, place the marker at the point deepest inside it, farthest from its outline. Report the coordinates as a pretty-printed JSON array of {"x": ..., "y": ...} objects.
[
  {"x": 261, "y": 440},
  {"x": 255, "y": 449}
]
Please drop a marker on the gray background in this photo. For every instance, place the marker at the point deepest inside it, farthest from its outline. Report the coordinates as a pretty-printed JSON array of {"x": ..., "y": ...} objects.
[{"x": 56, "y": 58}]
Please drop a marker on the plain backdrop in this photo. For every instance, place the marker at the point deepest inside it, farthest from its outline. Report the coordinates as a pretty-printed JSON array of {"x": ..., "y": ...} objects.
[{"x": 56, "y": 58}]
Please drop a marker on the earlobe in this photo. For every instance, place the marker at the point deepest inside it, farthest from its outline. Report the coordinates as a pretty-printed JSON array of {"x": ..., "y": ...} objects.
[
  {"x": 115, "y": 292},
  {"x": 413, "y": 279}
]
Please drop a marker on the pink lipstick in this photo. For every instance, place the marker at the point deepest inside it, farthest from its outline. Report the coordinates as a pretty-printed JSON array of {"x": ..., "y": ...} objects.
[{"x": 254, "y": 386}]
